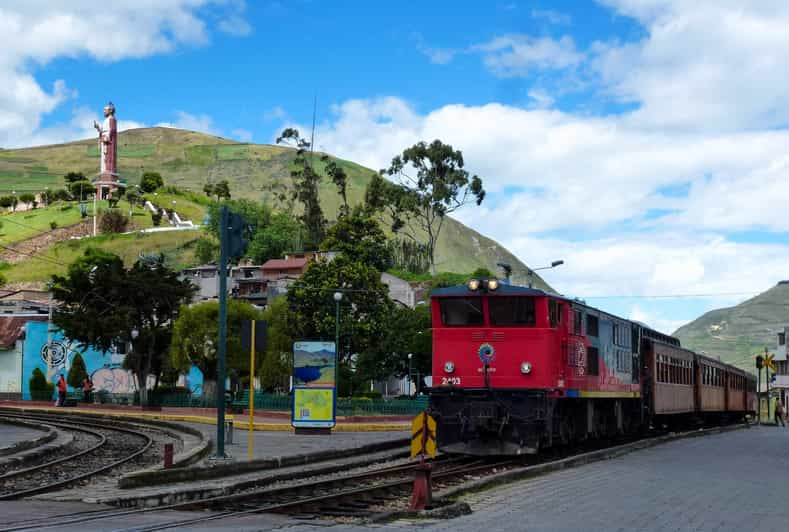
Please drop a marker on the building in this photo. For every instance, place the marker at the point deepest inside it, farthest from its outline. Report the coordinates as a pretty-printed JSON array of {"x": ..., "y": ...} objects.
[
  {"x": 781, "y": 382},
  {"x": 288, "y": 268}
]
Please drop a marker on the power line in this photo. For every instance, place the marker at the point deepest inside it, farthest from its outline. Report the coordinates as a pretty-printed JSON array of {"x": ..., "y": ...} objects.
[{"x": 672, "y": 296}]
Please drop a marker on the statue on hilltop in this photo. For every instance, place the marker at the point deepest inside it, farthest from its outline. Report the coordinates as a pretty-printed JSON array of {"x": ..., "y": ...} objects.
[{"x": 108, "y": 151}]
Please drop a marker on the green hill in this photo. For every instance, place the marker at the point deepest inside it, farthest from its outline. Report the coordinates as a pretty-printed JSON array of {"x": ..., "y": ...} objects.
[
  {"x": 736, "y": 334},
  {"x": 260, "y": 172}
]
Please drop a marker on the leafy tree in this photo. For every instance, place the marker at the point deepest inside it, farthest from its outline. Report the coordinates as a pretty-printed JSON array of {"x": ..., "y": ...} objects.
[
  {"x": 482, "y": 273},
  {"x": 359, "y": 237},
  {"x": 73, "y": 177},
  {"x": 439, "y": 187},
  {"x": 113, "y": 222},
  {"x": 77, "y": 372},
  {"x": 7, "y": 201},
  {"x": 305, "y": 185},
  {"x": 340, "y": 179},
  {"x": 102, "y": 302},
  {"x": 61, "y": 194},
  {"x": 40, "y": 389},
  {"x": 196, "y": 336},
  {"x": 81, "y": 189},
  {"x": 151, "y": 181},
  {"x": 47, "y": 196},
  {"x": 207, "y": 250},
  {"x": 208, "y": 188},
  {"x": 222, "y": 190},
  {"x": 364, "y": 309},
  {"x": 278, "y": 358},
  {"x": 28, "y": 198},
  {"x": 408, "y": 331},
  {"x": 271, "y": 241},
  {"x": 134, "y": 198}
]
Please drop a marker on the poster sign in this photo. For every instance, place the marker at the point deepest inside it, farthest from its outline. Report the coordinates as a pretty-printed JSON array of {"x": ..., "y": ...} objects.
[{"x": 314, "y": 392}]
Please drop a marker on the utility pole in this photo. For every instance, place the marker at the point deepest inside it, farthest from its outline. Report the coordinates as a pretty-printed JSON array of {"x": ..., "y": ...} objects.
[{"x": 222, "y": 347}]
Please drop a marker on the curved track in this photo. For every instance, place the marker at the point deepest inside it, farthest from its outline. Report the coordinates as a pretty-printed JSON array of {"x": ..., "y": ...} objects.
[{"x": 110, "y": 451}]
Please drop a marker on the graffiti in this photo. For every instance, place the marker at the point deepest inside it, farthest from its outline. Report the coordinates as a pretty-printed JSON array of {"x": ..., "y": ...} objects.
[
  {"x": 113, "y": 380},
  {"x": 55, "y": 353}
]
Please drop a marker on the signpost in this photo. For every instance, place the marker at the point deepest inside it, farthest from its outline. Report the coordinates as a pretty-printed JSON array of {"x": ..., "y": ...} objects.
[
  {"x": 314, "y": 387},
  {"x": 423, "y": 442},
  {"x": 253, "y": 337}
]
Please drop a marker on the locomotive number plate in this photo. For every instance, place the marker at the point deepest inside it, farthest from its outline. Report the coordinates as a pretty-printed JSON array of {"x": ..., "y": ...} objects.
[{"x": 450, "y": 381}]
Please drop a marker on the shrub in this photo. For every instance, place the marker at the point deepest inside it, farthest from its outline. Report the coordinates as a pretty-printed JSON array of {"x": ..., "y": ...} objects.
[
  {"x": 77, "y": 372},
  {"x": 53, "y": 225},
  {"x": 81, "y": 189},
  {"x": 61, "y": 194},
  {"x": 73, "y": 177},
  {"x": 40, "y": 389},
  {"x": 113, "y": 221},
  {"x": 151, "y": 181},
  {"x": 6, "y": 201},
  {"x": 373, "y": 396},
  {"x": 156, "y": 217}
]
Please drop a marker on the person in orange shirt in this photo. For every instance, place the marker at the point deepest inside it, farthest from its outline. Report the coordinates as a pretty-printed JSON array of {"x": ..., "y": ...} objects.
[
  {"x": 62, "y": 387},
  {"x": 87, "y": 389}
]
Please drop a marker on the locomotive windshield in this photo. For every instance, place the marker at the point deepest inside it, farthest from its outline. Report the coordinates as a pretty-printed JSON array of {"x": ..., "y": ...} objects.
[
  {"x": 511, "y": 311},
  {"x": 462, "y": 311}
]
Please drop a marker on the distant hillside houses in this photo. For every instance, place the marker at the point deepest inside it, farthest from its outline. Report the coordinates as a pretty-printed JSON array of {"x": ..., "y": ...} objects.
[{"x": 258, "y": 283}]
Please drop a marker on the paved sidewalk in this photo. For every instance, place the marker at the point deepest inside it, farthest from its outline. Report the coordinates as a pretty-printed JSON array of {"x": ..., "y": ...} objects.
[{"x": 13, "y": 434}]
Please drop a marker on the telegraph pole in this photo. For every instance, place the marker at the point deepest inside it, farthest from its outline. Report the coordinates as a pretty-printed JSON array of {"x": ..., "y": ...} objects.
[{"x": 222, "y": 347}]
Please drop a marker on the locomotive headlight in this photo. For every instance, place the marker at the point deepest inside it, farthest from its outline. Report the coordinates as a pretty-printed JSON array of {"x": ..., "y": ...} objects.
[
  {"x": 493, "y": 284},
  {"x": 525, "y": 368},
  {"x": 449, "y": 367},
  {"x": 473, "y": 285}
]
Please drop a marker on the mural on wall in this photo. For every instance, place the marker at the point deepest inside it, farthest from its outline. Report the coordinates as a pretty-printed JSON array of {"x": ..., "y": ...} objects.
[{"x": 106, "y": 369}]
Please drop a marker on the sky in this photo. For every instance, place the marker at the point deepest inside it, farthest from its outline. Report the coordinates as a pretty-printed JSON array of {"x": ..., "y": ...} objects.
[{"x": 643, "y": 142}]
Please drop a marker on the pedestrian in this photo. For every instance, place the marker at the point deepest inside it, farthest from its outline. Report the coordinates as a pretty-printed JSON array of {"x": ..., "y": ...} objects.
[
  {"x": 62, "y": 387},
  {"x": 87, "y": 390},
  {"x": 779, "y": 413}
]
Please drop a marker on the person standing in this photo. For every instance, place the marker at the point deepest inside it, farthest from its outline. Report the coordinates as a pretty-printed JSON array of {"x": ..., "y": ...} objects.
[
  {"x": 779, "y": 413},
  {"x": 87, "y": 390},
  {"x": 62, "y": 387}
]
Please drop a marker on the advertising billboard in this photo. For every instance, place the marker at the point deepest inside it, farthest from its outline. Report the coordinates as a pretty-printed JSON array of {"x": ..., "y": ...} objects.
[{"x": 314, "y": 391}]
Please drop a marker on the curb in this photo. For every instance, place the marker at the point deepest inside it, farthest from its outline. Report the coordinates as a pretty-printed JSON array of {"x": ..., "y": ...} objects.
[
  {"x": 168, "y": 476},
  {"x": 23, "y": 445},
  {"x": 574, "y": 461}
]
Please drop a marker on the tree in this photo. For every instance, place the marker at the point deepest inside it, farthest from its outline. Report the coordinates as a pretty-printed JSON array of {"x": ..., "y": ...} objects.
[
  {"x": 73, "y": 177},
  {"x": 305, "y": 187},
  {"x": 196, "y": 336},
  {"x": 339, "y": 178},
  {"x": 364, "y": 308},
  {"x": 40, "y": 389},
  {"x": 358, "y": 236},
  {"x": 208, "y": 188},
  {"x": 28, "y": 198},
  {"x": 61, "y": 194},
  {"x": 103, "y": 303},
  {"x": 7, "y": 201},
  {"x": 408, "y": 331},
  {"x": 77, "y": 372},
  {"x": 151, "y": 182},
  {"x": 113, "y": 222},
  {"x": 440, "y": 186},
  {"x": 81, "y": 189},
  {"x": 207, "y": 250},
  {"x": 278, "y": 358},
  {"x": 222, "y": 190}
]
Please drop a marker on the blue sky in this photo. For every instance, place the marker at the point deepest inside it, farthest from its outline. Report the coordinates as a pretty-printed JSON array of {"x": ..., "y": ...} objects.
[{"x": 631, "y": 138}]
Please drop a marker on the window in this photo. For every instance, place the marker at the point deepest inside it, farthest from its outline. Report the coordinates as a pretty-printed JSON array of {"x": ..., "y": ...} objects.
[
  {"x": 592, "y": 325},
  {"x": 461, "y": 311},
  {"x": 592, "y": 362},
  {"x": 578, "y": 319},
  {"x": 511, "y": 311},
  {"x": 782, "y": 338},
  {"x": 555, "y": 312}
]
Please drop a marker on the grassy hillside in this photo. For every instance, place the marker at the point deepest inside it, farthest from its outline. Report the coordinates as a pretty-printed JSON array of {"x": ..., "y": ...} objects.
[
  {"x": 737, "y": 333},
  {"x": 188, "y": 159}
]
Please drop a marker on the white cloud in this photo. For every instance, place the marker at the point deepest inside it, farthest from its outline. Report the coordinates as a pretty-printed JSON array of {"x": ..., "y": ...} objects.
[
  {"x": 34, "y": 32},
  {"x": 517, "y": 54}
]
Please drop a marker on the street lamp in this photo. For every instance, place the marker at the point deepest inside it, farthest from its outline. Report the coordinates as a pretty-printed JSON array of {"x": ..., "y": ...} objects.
[
  {"x": 554, "y": 264},
  {"x": 337, "y": 299},
  {"x": 410, "y": 356}
]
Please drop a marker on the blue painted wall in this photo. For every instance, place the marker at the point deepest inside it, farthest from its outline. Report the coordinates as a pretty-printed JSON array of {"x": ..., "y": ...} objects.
[{"x": 106, "y": 369}]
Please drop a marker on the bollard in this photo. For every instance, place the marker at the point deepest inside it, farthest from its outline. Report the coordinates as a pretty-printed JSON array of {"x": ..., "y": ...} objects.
[
  {"x": 422, "y": 496},
  {"x": 168, "y": 455},
  {"x": 229, "y": 431}
]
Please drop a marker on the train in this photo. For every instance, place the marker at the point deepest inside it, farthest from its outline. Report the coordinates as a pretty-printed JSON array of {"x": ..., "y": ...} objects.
[{"x": 517, "y": 370}]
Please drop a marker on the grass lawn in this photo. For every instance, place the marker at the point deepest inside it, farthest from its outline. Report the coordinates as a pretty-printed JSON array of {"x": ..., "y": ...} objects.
[{"x": 177, "y": 246}]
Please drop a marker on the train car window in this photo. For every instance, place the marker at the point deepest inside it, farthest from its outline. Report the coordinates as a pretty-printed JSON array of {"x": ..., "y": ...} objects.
[
  {"x": 461, "y": 311},
  {"x": 555, "y": 312},
  {"x": 512, "y": 311},
  {"x": 592, "y": 325},
  {"x": 592, "y": 362},
  {"x": 578, "y": 319}
]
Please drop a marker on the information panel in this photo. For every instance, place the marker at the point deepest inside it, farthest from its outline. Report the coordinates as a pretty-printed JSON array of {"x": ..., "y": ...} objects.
[{"x": 314, "y": 392}]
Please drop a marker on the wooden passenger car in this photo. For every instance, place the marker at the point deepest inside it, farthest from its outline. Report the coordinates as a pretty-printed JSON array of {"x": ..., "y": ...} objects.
[
  {"x": 671, "y": 382},
  {"x": 736, "y": 390},
  {"x": 711, "y": 389}
]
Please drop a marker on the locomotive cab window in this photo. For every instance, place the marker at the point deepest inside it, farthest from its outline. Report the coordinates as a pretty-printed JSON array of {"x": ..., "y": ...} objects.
[
  {"x": 462, "y": 311},
  {"x": 516, "y": 311},
  {"x": 578, "y": 319},
  {"x": 592, "y": 325},
  {"x": 555, "y": 310}
]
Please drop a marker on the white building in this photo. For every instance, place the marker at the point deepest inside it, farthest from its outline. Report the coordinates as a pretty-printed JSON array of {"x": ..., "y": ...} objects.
[{"x": 781, "y": 382}]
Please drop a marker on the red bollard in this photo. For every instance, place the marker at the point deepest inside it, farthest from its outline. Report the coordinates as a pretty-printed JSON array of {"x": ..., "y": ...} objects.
[
  {"x": 168, "y": 455},
  {"x": 422, "y": 496}
]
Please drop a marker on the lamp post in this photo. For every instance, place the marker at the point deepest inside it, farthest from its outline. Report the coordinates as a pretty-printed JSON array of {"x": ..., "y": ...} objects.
[
  {"x": 337, "y": 299},
  {"x": 410, "y": 356},
  {"x": 554, "y": 264}
]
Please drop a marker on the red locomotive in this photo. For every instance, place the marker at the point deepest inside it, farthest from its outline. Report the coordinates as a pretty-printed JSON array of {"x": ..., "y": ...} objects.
[{"x": 516, "y": 370}]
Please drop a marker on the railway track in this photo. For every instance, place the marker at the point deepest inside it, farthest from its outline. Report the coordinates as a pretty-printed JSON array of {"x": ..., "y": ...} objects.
[{"x": 99, "y": 449}]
